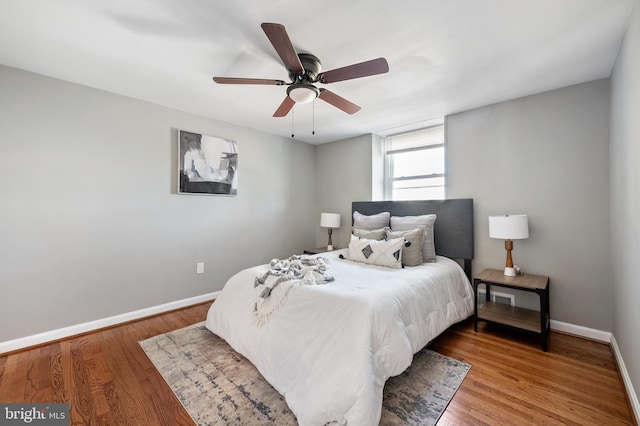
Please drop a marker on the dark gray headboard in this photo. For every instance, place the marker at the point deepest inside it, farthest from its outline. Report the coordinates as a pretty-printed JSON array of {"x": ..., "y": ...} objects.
[{"x": 453, "y": 229}]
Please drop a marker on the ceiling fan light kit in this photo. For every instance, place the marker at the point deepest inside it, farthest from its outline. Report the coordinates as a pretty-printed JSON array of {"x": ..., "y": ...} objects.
[
  {"x": 304, "y": 71},
  {"x": 302, "y": 93}
]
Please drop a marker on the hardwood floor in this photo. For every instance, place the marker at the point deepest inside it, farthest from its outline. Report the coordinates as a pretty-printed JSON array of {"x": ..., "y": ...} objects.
[
  {"x": 108, "y": 380},
  {"x": 105, "y": 376},
  {"x": 513, "y": 382}
]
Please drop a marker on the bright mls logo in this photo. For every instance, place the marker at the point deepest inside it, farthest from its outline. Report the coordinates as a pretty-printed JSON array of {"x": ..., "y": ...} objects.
[{"x": 37, "y": 414}]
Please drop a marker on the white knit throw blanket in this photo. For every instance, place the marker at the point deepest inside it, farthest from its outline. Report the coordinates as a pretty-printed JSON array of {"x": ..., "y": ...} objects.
[{"x": 272, "y": 287}]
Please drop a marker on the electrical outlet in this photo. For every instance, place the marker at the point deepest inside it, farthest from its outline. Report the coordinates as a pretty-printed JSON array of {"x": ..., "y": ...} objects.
[{"x": 200, "y": 268}]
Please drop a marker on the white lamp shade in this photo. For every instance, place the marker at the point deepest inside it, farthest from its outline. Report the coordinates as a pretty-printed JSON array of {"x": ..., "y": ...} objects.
[
  {"x": 509, "y": 227},
  {"x": 330, "y": 220}
]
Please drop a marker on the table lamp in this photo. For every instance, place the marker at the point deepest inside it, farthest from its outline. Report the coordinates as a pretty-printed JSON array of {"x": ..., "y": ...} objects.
[
  {"x": 509, "y": 228},
  {"x": 330, "y": 220}
]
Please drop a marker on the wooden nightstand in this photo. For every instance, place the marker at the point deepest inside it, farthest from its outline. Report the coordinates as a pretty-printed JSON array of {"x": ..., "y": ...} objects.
[
  {"x": 317, "y": 250},
  {"x": 511, "y": 316}
]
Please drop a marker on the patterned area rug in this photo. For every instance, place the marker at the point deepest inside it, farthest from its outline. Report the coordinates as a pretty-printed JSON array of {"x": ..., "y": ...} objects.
[{"x": 218, "y": 386}]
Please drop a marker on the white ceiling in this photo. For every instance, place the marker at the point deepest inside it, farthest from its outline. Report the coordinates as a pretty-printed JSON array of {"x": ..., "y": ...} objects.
[{"x": 444, "y": 56}]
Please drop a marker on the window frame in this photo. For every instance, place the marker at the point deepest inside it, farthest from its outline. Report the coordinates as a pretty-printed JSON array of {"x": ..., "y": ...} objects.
[{"x": 389, "y": 178}]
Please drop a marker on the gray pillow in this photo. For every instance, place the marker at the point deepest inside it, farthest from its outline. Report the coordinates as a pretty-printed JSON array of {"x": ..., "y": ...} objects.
[
  {"x": 370, "y": 234},
  {"x": 404, "y": 223},
  {"x": 376, "y": 221},
  {"x": 412, "y": 249}
]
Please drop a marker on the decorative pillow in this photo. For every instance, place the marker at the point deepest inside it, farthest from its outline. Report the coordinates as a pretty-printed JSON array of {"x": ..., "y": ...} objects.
[
  {"x": 376, "y": 252},
  {"x": 370, "y": 234},
  {"x": 412, "y": 249},
  {"x": 403, "y": 223},
  {"x": 376, "y": 221}
]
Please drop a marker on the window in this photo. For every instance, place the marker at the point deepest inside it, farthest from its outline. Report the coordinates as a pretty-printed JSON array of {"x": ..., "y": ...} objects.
[{"x": 414, "y": 164}]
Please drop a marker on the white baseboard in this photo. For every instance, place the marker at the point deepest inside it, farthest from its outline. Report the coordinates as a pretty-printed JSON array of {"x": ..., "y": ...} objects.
[
  {"x": 578, "y": 330},
  {"x": 61, "y": 333},
  {"x": 633, "y": 397}
]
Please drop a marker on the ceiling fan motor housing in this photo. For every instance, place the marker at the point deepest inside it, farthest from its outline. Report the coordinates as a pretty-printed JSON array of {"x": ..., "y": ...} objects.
[{"x": 312, "y": 67}]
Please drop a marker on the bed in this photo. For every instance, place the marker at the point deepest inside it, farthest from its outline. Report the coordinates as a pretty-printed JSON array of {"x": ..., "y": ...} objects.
[{"x": 329, "y": 348}]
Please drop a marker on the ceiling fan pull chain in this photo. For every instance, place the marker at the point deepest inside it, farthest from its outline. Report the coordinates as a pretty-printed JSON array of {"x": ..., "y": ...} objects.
[
  {"x": 313, "y": 118},
  {"x": 292, "y": 112}
]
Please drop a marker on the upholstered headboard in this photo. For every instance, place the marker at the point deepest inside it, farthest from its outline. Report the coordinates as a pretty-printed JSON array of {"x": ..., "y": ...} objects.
[{"x": 453, "y": 229}]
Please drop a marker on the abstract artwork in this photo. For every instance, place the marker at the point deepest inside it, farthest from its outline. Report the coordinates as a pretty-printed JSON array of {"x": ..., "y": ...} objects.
[{"x": 207, "y": 164}]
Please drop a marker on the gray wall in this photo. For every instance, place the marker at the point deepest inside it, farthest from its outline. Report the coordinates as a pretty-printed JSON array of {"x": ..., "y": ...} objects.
[
  {"x": 625, "y": 197},
  {"x": 90, "y": 222},
  {"x": 544, "y": 155},
  {"x": 344, "y": 174}
]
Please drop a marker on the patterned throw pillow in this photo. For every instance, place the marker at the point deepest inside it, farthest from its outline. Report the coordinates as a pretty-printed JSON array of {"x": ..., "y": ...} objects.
[
  {"x": 375, "y": 221},
  {"x": 376, "y": 252},
  {"x": 412, "y": 250},
  {"x": 371, "y": 234},
  {"x": 403, "y": 223}
]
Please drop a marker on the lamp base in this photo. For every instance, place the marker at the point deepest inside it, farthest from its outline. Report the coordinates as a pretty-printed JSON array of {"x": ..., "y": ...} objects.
[
  {"x": 510, "y": 272},
  {"x": 330, "y": 243}
]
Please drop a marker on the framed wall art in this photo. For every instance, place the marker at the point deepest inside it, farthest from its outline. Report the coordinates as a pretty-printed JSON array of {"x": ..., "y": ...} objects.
[{"x": 207, "y": 164}]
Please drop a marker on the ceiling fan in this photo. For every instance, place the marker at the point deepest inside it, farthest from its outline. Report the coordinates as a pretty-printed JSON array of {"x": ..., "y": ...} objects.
[{"x": 305, "y": 70}]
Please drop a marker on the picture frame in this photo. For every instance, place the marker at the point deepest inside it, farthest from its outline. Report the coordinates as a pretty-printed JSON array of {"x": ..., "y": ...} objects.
[{"x": 207, "y": 165}]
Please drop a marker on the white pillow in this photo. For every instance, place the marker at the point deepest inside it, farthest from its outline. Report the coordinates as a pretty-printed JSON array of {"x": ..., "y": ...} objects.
[
  {"x": 405, "y": 223},
  {"x": 377, "y": 252},
  {"x": 375, "y": 221}
]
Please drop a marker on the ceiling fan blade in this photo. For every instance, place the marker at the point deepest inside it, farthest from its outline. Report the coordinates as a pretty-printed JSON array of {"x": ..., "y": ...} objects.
[
  {"x": 232, "y": 80},
  {"x": 338, "y": 101},
  {"x": 277, "y": 35},
  {"x": 284, "y": 107},
  {"x": 363, "y": 69}
]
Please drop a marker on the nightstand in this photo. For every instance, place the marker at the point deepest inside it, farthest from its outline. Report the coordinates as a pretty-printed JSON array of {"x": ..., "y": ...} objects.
[
  {"x": 511, "y": 316},
  {"x": 317, "y": 250}
]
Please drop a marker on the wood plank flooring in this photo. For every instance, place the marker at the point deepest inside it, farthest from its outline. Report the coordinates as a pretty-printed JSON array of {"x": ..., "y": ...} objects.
[
  {"x": 108, "y": 380},
  {"x": 512, "y": 381}
]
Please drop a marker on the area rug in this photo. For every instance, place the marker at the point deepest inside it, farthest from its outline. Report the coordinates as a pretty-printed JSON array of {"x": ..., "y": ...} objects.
[{"x": 218, "y": 386}]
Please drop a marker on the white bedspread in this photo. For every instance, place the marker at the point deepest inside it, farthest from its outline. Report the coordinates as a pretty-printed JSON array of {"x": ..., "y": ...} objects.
[{"x": 331, "y": 347}]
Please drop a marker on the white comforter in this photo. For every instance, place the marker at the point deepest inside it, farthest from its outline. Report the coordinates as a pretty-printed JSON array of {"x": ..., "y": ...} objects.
[{"x": 331, "y": 347}]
